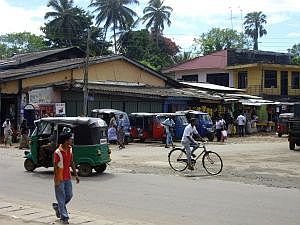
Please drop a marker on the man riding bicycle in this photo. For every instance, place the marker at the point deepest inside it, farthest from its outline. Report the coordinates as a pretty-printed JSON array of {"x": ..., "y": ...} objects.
[{"x": 188, "y": 141}]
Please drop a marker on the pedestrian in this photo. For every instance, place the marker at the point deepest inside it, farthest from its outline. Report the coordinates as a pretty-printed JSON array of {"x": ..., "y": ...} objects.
[
  {"x": 241, "y": 121},
  {"x": 7, "y": 132},
  {"x": 188, "y": 141},
  {"x": 24, "y": 142},
  {"x": 220, "y": 126},
  {"x": 63, "y": 160},
  {"x": 112, "y": 121},
  {"x": 112, "y": 130},
  {"x": 121, "y": 131},
  {"x": 168, "y": 125}
]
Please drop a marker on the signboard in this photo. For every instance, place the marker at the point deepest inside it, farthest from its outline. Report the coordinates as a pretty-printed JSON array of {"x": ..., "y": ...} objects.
[
  {"x": 60, "y": 109},
  {"x": 40, "y": 96}
]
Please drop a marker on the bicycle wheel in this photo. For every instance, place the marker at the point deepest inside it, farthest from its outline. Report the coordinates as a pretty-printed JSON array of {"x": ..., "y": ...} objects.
[
  {"x": 212, "y": 163},
  {"x": 177, "y": 159}
]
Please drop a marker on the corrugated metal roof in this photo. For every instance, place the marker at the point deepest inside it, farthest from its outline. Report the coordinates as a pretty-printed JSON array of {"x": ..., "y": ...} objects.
[
  {"x": 27, "y": 57},
  {"x": 46, "y": 68},
  {"x": 212, "y": 87}
]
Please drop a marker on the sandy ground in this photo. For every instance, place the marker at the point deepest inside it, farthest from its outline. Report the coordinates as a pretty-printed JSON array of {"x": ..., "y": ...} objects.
[{"x": 259, "y": 159}]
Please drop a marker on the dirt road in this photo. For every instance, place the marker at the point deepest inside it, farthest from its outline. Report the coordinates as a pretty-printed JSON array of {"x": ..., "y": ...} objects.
[{"x": 264, "y": 160}]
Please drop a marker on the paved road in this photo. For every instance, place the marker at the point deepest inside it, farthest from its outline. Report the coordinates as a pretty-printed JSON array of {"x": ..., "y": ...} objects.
[{"x": 154, "y": 199}]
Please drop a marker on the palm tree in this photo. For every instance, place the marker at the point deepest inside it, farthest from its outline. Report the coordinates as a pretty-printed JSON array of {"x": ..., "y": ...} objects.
[
  {"x": 65, "y": 19},
  {"x": 183, "y": 57},
  {"x": 254, "y": 26},
  {"x": 115, "y": 13},
  {"x": 156, "y": 13}
]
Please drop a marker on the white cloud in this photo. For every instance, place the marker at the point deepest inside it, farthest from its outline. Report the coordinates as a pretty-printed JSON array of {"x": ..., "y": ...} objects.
[
  {"x": 18, "y": 19},
  {"x": 294, "y": 34}
]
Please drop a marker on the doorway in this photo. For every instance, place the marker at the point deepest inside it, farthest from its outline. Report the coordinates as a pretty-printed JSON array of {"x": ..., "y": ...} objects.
[{"x": 284, "y": 82}]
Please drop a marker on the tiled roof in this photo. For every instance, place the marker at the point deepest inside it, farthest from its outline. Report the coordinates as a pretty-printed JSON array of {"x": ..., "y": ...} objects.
[{"x": 217, "y": 60}]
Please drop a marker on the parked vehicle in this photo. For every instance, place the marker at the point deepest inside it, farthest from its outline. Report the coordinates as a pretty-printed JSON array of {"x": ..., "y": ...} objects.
[
  {"x": 145, "y": 126},
  {"x": 90, "y": 147},
  {"x": 105, "y": 115},
  {"x": 180, "y": 122},
  {"x": 294, "y": 128},
  {"x": 204, "y": 123},
  {"x": 282, "y": 124}
]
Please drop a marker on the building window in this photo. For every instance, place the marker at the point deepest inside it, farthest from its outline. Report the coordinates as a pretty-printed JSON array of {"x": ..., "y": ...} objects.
[
  {"x": 190, "y": 78},
  {"x": 295, "y": 80},
  {"x": 218, "y": 79},
  {"x": 270, "y": 79},
  {"x": 242, "y": 79}
]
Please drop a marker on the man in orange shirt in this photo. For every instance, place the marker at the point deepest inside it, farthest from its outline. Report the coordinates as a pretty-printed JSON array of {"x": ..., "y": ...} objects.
[{"x": 63, "y": 160}]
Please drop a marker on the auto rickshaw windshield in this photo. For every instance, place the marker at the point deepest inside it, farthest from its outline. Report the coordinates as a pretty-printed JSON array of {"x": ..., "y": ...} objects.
[
  {"x": 205, "y": 118},
  {"x": 181, "y": 120}
]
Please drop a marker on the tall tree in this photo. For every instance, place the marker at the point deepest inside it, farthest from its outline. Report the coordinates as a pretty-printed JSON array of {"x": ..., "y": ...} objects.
[
  {"x": 115, "y": 13},
  {"x": 254, "y": 22},
  {"x": 140, "y": 45},
  {"x": 219, "y": 39},
  {"x": 23, "y": 42},
  {"x": 65, "y": 21},
  {"x": 295, "y": 53},
  {"x": 183, "y": 57},
  {"x": 156, "y": 14}
]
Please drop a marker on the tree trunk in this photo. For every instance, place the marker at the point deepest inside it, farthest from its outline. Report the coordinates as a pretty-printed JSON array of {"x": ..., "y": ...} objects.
[
  {"x": 255, "y": 46},
  {"x": 115, "y": 42}
]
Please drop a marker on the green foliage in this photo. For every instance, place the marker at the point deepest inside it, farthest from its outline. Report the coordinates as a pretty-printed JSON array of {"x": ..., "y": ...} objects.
[
  {"x": 157, "y": 14},
  {"x": 114, "y": 13},
  {"x": 254, "y": 26},
  {"x": 69, "y": 26},
  {"x": 219, "y": 39},
  {"x": 23, "y": 42},
  {"x": 183, "y": 57},
  {"x": 141, "y": 46},
  {"x": 295, "y": 52}
]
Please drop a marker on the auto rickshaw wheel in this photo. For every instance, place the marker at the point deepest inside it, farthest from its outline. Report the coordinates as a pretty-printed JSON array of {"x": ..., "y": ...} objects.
[
  {"x": 279, "y": 134},
  {"x": 29, "y": 165},
  {"x": 292, "y": 145},
  {"x": 85, "y": 170},
  {"x": 101, "y": 168}
]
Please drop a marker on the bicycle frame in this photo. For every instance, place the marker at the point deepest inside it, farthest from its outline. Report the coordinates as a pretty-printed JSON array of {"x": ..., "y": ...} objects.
[{"x": 197, "y": 157}]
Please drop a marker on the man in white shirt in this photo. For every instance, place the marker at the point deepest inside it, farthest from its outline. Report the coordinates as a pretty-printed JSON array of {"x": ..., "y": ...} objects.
[
  {"x": 7, "y": 132},
  {"x": 241, "y": 121},
  {"x": 168, "y": 125},
  {"x": 187, "y": 140}
]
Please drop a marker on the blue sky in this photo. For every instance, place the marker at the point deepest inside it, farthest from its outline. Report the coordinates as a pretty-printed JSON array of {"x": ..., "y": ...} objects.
[{"x": 190, "y": 18}]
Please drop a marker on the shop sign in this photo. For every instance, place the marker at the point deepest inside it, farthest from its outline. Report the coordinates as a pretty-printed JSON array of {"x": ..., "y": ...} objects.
[
  {"x": 60, "y": 109},
  {"x": 41, "y": 96}
]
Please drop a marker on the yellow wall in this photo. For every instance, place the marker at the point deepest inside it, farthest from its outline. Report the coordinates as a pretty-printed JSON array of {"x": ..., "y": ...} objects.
[
  {"x": 10, "y": 87},
  {"x": 50, "y": 78},
  {"x": 255, "y": 80},
  {"x": 119, "y": 70}
]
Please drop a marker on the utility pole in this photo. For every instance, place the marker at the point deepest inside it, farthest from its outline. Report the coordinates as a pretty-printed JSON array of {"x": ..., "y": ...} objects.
[{"x": 86, "y": 75}]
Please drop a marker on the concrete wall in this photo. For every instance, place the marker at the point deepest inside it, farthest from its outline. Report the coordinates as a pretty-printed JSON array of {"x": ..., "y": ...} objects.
[
  {"x": 10, "y": 87},
  {"x": 119, "y": 70},
  {"x": 202, "y": 75},
  {"x": 256, "y": 79}
]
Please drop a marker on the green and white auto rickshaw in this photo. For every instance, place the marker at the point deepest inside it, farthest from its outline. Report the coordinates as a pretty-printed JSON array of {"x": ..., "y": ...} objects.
[{"x": 90, "y": 147}]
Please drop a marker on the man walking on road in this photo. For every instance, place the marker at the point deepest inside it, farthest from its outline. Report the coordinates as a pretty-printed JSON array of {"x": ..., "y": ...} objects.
[
  {"x": 241, "y": 121},
  {"x": 168, "y": 125},
  {"x": 63, "y": 160}
]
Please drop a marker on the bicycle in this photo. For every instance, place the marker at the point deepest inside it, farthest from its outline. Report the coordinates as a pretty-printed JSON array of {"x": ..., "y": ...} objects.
[{"x": 211, "y": 161}]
